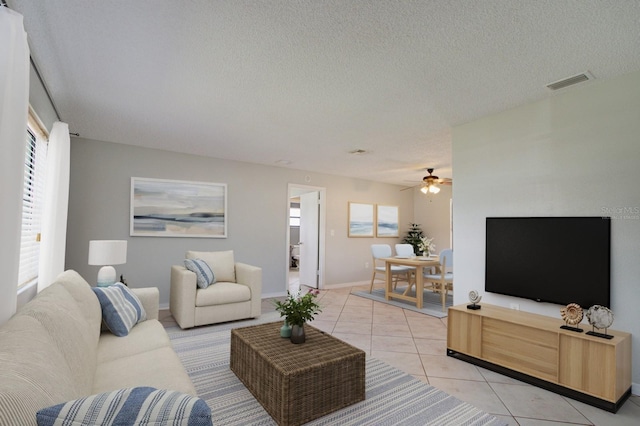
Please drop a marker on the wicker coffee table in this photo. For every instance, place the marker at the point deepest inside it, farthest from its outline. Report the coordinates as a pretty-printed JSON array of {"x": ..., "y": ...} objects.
[{"x": 297, "y": 383}]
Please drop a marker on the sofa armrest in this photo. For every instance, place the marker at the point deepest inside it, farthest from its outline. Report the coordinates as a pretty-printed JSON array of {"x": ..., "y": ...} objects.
[
  {"x": 150, "y": 299},
  {"x": 182, "y": 298},
  {"x": 251, "y": 276}
]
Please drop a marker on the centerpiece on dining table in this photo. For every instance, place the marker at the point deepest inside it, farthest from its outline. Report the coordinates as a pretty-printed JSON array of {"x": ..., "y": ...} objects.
[
  {"x": 298, "y": 310},
  {"x": 426, "y": 246}
]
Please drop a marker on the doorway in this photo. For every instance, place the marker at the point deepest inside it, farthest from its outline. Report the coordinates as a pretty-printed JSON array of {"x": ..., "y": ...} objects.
[{"x": 305, "y": 236}]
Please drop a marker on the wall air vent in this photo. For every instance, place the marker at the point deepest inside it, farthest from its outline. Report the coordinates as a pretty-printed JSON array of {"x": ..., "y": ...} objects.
[{"x": 570, "y": 81}]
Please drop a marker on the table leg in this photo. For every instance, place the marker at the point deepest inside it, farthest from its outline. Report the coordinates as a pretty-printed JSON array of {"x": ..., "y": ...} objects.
[
  {"x": 419, "y": 287},
  {"x": 387, "y": 289}
]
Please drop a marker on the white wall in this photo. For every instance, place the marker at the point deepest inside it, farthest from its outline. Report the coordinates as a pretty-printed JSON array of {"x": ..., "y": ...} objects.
[
  {"x": 257, "y": 212},
  {"x": 432, "y": 212},
  {"x": 575, "y": 154}
]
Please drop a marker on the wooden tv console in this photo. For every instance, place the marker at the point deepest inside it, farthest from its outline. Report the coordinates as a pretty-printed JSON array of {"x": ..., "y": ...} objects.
[{"x": 533, "y": 348}]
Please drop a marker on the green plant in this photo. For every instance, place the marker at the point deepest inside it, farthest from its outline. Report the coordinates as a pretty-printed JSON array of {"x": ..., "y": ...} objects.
[
  {"x": 414, "y": 237},
  {"x": 299, "y": 309}
]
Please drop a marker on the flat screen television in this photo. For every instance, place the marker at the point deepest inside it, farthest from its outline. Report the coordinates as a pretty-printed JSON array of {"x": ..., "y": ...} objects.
[{"x": 550, "y": 259}]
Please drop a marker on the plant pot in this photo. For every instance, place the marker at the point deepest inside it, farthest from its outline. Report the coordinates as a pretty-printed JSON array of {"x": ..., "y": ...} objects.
[
  {"x": 297, "y": 334},
  {"x": 285, "y": 330}
]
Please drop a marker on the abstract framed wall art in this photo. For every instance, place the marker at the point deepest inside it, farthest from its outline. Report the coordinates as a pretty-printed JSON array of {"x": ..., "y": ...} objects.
[
  {"x": 175, "y": 208},
  {"x": 361, "y": 220},
  {"x": 387, "y": 221}
]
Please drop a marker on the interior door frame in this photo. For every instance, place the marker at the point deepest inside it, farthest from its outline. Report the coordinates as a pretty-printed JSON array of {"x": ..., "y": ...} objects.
[{"x": 294, "y": 189}]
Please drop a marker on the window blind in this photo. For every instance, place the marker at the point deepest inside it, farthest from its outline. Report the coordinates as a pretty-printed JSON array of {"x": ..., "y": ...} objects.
[{"x": 32, "y": 204}]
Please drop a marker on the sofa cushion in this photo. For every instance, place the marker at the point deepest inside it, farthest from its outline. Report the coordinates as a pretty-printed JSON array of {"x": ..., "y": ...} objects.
[
  {"x": 222, "y": 293},
  {"x": 34, "y": 374},
  {"x": 145, "y": 336},
  {"x": 140, "y": 405},
  {"x": 121, "y": 309},
  {"x": 159, "y": 368},
  {"x": 221, "y": 262},
  {"x": 204, "y": 274}
]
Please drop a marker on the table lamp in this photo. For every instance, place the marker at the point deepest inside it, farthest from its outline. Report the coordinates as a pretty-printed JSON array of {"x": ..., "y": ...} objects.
[{"x": 106, "y": 253}]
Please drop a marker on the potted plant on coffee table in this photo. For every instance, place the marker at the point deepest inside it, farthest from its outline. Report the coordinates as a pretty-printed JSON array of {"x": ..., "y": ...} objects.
[{"x": 298, "y": 310}]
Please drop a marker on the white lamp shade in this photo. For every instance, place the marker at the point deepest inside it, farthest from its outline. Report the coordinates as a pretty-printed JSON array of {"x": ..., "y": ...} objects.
[{"x": 107, "y": 252}]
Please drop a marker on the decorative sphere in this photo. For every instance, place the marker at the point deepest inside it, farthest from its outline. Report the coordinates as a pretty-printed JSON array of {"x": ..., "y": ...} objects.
[
  {"x": 572, "y": 314},
  {"x": 600, "y": 316},
  {"x": 474, "y": 297}
]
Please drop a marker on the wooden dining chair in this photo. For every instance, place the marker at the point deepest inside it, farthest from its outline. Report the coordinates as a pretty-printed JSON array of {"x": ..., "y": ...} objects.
[
  {"x": 442, "y": 279},
  {"x": 380, "y": 251}
]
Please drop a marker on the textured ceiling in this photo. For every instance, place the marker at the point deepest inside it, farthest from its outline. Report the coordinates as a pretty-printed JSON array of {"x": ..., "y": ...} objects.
[{"x": 307, "y": 81}]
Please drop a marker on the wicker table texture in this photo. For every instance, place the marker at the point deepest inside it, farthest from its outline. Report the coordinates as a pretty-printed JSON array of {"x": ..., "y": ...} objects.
[{"x": 297, "y": 383}]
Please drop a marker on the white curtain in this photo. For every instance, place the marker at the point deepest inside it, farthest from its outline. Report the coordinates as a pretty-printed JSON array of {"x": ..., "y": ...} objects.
[
  {"x": 56, "y": 201},
  {"x": 14, "y": 104}
]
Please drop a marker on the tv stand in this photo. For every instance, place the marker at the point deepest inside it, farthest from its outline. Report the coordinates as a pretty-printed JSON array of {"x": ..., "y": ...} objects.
[{"x": 533, "y": 348}]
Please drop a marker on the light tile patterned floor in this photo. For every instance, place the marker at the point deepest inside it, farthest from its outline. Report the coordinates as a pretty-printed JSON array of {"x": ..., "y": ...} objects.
[{"x": 416, "y": 343}]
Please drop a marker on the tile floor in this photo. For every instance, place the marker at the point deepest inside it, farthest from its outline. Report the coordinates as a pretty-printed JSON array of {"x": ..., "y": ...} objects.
[{"x": 416, "y": 343}]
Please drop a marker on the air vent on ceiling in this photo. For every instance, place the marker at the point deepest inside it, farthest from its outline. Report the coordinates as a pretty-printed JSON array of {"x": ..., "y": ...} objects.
[{"x": 570, "y": 81}]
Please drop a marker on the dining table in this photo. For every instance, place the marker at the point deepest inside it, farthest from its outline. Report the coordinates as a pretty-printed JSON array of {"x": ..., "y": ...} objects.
[{"x": 418, "y": 262}]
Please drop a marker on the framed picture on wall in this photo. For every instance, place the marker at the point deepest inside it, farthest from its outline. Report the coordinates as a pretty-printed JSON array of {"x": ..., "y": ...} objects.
[
  {"x": 361, "y": 220},
  {"x": 387, "y": 221},
  {"x": 175, "y": 208}
]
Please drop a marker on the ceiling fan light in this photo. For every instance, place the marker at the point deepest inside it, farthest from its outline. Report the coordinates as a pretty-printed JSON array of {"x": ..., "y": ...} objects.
[
  {"x": 424, "y": 190},
  {"x": 434, "y": 189}
]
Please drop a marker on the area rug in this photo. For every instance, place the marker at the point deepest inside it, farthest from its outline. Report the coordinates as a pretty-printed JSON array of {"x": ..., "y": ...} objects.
[
  {"x": 392, "y": 396},
  {"x": 431, "y": 302}
]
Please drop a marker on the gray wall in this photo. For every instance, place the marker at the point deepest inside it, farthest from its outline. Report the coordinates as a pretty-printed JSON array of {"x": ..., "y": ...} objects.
[
  {"x": 575, "y": 154},
  {"x": 257, "y": 213}
]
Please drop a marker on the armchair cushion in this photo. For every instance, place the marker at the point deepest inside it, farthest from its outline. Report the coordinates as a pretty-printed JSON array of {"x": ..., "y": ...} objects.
[
  {"x": 121, "y": 309},
  {"x": 221, "y": 263},
  {"x": 204, "y": 274},
  {"x": 223, "y": 293}
]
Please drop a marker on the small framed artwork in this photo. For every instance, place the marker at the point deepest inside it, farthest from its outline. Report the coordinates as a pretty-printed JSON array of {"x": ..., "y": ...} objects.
[
  {"x": 175, "y": 208},
  {"x": 387, "y": 221},
  {"x": 361, "y": 220}
]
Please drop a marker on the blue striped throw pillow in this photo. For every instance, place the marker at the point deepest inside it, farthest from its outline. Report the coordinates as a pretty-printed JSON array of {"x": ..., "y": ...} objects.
[
  {"x": 121, "y": 309},
  {"x": 132, "y": 406},
  {"x": 204, "y": 273}
]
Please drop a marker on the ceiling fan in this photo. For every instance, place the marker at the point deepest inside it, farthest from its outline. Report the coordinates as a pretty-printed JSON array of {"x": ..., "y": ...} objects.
[{"x": 430, "y": 183}]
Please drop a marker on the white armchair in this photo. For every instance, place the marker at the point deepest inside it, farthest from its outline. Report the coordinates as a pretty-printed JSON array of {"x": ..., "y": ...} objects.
[{"x": 235, "y": 294}]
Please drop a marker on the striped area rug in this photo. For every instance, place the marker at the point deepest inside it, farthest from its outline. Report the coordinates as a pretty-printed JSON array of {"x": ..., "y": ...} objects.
[{"x": 392, "y": 396}]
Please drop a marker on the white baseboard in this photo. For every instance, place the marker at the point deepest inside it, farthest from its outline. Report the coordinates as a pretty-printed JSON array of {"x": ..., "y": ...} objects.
[
  {"x": 163, "y": 306},
  {"x": 343, "y": 285},
  {"x": 326, "y": 287},
  {"x": 635, "y": 388}
]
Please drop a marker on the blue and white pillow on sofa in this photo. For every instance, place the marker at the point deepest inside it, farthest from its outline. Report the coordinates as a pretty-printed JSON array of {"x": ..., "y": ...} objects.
[
  {"x": 132, "y": 406},
  {"x": 121, "y": 308},
  {"x": 204, "y": 273}
]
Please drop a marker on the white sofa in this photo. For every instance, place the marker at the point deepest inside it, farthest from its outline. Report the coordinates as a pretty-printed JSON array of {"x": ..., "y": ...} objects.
[
  {"x": 236, "y": 293},
  {"x": 53, "y": 351}
]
